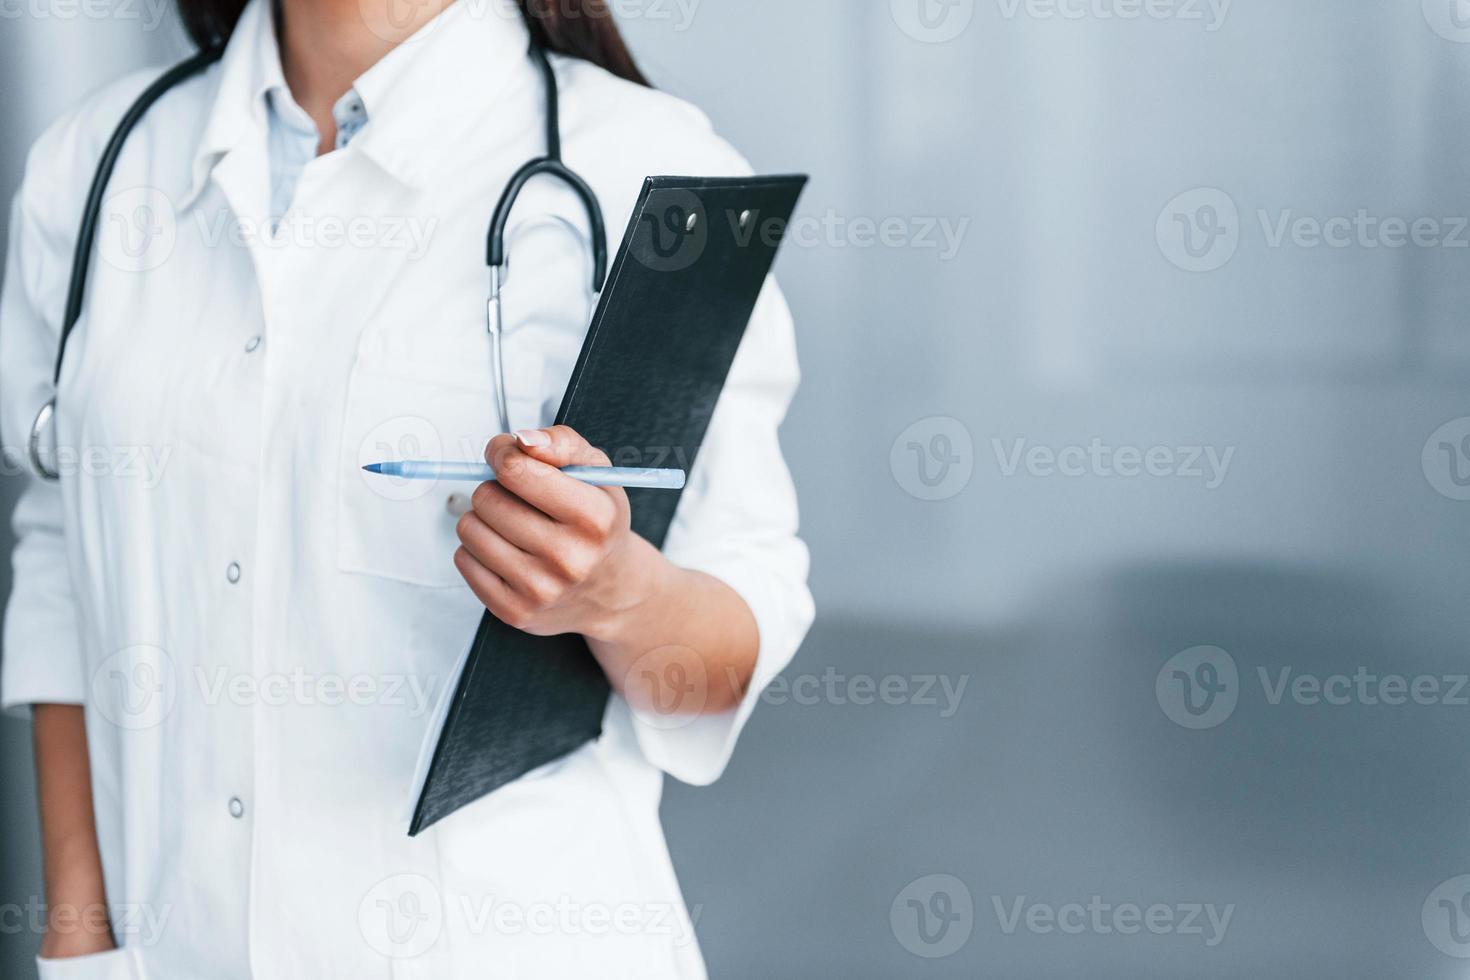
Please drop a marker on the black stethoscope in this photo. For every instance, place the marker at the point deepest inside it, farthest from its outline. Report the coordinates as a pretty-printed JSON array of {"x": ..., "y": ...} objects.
[{"x": 496, "y": 256}]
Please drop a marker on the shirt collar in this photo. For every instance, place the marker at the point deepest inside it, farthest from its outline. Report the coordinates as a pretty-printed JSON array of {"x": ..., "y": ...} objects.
[{"x": 416, "y": 96}]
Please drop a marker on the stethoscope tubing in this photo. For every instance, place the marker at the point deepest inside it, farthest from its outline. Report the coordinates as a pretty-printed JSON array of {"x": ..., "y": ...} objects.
[
  {"x": 81, "y": 264},
  {"x": 550, "y": 165}
]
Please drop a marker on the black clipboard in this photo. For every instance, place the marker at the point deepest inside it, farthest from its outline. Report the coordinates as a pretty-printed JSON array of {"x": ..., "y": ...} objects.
[{"x": 678, "y": 299}]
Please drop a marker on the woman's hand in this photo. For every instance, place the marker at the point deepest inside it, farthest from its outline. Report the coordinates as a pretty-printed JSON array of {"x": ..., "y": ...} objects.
[{"x": 549, "y": 555}]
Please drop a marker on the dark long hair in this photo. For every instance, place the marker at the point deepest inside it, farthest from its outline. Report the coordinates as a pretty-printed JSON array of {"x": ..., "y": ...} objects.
[{"x": 581, "y": 28}]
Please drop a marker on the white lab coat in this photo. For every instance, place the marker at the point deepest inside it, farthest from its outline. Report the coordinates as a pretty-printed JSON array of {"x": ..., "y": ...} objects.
[{"x": 258, "y": 630}]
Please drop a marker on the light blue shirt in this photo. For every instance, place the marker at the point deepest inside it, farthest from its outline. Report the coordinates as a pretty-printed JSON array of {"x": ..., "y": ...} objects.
[{"x": 292, "y": 140}]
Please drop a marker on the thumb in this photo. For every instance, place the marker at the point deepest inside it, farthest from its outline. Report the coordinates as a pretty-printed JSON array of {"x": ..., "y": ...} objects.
[{"x": 560, "y": 446}]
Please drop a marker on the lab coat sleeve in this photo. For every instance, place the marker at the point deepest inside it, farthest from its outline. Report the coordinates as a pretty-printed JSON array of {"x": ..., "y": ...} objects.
[
  {"x": 737, "y": 521},
  {"x": 114, "y": 964},
  {"x": 41, "y": 659}
]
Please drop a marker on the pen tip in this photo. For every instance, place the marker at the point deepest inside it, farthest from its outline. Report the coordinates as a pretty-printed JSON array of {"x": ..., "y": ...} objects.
[{"x": 374, "y": 467}]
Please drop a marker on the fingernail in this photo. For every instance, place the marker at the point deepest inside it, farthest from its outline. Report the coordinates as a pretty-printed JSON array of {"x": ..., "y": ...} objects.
[{"x": 533, "y": 438}]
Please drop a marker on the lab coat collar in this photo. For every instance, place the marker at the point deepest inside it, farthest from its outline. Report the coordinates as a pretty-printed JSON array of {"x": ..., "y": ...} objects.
[
  {"x": 241, "y": 77},
  {"x": 428, "y": 90},
  {"x": 440, "y": 85}
]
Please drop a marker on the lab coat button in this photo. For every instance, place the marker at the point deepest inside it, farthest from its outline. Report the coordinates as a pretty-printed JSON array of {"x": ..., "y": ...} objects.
[
  {"x": 233, "y": 572},
  {"x": 252, "y": 344},
  {"x": 237, "y": 807}
]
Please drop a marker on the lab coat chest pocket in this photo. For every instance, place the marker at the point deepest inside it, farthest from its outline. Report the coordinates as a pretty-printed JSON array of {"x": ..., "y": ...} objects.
[{"x": 400, "y": 410}]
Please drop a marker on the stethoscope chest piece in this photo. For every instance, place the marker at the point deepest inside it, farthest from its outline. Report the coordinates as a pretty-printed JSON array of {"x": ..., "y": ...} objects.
[
  {"x": 86, "y": 237},
  {"x": 45, "y": 421}
]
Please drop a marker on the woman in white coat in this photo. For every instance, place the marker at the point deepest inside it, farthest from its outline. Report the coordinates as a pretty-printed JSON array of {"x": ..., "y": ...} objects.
[{"x": 230, "y": 639}]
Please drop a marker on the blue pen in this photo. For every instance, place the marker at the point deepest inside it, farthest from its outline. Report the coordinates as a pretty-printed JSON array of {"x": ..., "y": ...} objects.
[{"x": 597, "y": 476}]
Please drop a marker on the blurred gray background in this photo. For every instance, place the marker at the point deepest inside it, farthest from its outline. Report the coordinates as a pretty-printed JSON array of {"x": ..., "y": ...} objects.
[{"x": 1189, "y": 372}]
